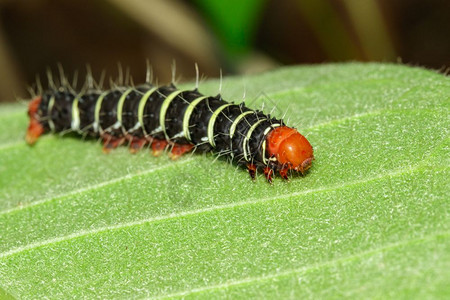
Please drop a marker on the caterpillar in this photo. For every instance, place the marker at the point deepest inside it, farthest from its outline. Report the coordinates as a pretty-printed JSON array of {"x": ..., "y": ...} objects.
[{"x": 164, "y": 117}]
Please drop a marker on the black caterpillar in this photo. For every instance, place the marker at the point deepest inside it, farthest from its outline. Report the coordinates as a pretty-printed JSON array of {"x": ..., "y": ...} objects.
[{"x": 165, "y": 116}]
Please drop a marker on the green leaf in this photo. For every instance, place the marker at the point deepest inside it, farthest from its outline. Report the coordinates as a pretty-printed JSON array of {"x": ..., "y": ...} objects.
[{"x": 371, "y": 219}]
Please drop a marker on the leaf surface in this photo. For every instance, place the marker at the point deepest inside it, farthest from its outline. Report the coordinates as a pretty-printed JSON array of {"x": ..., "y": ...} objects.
[{"x": 369, "y": 220}]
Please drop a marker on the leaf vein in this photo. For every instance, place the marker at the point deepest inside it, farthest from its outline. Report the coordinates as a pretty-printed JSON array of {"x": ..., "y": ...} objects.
[
  {"x": 307, "y": 268},
  {"x": 94, "y": 187}
]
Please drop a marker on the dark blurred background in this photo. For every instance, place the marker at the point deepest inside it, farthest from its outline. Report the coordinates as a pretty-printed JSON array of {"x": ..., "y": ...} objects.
[{"x": 234, "y": 35}]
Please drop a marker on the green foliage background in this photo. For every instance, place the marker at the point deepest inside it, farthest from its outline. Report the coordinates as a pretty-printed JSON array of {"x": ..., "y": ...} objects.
[{"x": 369, "y": 220}]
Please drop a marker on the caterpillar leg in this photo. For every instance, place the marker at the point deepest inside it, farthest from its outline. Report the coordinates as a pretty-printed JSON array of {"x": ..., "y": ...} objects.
[
  {"x": 284, "y": 173},
  {"x": 268, "y": 172},
  {"x": 137, "y": 144},
  {"x": 180, "y": 149},
  {"x": 35, "y": 129},
  {"x": 252, "y": 170},
  {"x": 111, "y": 142},
  {"x": 158, "y": 146}
]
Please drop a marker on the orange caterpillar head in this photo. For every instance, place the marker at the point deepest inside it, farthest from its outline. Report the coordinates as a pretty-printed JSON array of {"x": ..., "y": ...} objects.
[
  {"x": 291, "y": 149},
  {"x": 35, "y": 129}
]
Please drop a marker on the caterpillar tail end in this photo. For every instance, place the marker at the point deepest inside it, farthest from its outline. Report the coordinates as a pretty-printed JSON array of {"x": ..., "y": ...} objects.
[{"x": 35, "y": 128}]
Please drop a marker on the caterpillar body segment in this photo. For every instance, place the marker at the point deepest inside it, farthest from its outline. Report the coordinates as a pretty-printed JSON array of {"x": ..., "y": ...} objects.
[{"x": 183, "y": 120}]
